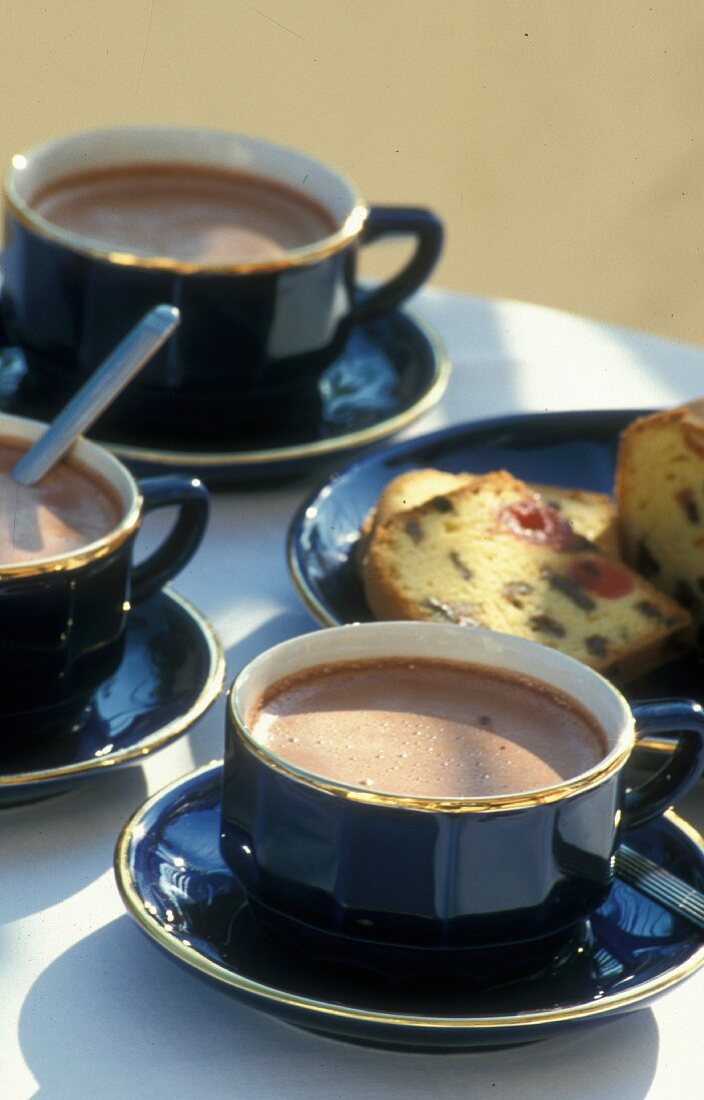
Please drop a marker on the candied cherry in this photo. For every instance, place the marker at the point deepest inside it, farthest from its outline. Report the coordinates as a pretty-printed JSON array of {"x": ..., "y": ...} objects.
[
  {"x": 602, "y": 576},
  {"x": 536, "y": 521}
]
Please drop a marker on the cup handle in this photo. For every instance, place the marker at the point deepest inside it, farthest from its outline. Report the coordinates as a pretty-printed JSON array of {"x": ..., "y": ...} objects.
[
  {"x": 397, "y": 221},
  {"x": 683, "y": 767},
  {"x": 182, "y": 542}
]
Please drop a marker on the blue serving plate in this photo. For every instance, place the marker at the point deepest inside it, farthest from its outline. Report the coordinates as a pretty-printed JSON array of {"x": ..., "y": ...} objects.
[
  {"x": 180, "y": 892},
  {"x": 571, "y": 449}
]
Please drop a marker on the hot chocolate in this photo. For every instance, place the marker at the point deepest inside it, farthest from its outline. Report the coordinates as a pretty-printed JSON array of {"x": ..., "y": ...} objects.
[
  {"x": 426, "y": 728},
  {"x": 188, "y": 212},
  {"x": 69, "y": 508}
]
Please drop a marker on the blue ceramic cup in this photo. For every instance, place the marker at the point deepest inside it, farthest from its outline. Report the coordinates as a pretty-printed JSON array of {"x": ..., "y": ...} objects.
[
  {"x": 63, "y": 616},
  {"x": 491, "y": 885},
  {"x": 256, "y": 333}
]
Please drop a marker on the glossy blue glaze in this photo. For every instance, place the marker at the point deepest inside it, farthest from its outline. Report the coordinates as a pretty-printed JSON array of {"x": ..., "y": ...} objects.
[
  {"x": 186, "y": 898},
  {"x": 388, "y": 372},
  {"x": 171, "y": 670},
  {"x": 682, "y": 723},
  {"x": 379, "y": 882},
  {"x": 62, "y": 633},
  {"x": 191, "y": 500},
  {"x": 251, "y": 344}
]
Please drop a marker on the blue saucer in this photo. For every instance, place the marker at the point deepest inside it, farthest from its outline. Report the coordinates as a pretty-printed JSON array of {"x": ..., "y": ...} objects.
[
  {"x": 572, "y": 449},
  {"x": 172, "y": 670},
  {"x": 391, "y": 370},
  {"x": 176, "y": 886}
]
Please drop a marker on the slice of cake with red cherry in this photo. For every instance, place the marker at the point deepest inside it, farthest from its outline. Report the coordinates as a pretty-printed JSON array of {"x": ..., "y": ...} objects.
[
  {"x": 496, "y": 553},
  {"x": 590, "y": 514}
]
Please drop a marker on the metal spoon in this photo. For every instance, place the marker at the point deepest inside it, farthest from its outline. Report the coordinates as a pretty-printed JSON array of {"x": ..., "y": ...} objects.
[
  {"x": 110, "y": 378},
  {"x": 661, "y": 885}
]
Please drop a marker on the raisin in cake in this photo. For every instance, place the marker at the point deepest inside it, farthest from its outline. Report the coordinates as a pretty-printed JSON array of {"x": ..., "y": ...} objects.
[
  {"x": 493, "y": 553},
  {"x": 590, "y": 514},
  {"x": 660, "y": 493}
]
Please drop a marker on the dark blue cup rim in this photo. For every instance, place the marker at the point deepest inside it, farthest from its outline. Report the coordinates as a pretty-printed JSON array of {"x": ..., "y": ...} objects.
[{"x": 73, "y": 153}]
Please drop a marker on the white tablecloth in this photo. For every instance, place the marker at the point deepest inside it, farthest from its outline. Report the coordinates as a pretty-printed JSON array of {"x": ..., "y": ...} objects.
[{"x": 90, "y": 1008}]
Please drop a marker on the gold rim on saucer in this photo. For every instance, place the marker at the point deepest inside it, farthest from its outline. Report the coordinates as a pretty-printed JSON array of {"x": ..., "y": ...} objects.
[
  {"x": 209, "y": 692},
  {"x": 319, "y": 448},
  {"x": 621, "y": 1001}
]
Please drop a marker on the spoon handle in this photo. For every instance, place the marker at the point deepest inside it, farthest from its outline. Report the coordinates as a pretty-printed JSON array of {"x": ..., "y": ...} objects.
[
  {"x": 140, "y": 344},
  {"x": 660, "y": 884}
]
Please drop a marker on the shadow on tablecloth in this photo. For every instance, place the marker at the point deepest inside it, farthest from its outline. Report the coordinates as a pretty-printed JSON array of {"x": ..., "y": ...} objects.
[{"x": 114, "y": 1017}]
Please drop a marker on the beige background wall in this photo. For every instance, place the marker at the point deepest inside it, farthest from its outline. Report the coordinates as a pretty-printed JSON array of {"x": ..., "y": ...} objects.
[{"x": 561, "y": 141}]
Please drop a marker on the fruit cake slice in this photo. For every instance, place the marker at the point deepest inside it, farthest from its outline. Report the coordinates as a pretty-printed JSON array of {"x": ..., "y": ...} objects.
[
  {"x": 591, "y": 514},
  {"x": 660, "y": 493},
  {"x": 493, "y": 553}
]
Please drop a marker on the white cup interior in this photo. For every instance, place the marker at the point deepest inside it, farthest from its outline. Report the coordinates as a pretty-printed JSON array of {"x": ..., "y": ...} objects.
[
  {"x": 364, "y": 641},
  {"x": 94, "y": 459},
  {"x": 32, "y": 171}
]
